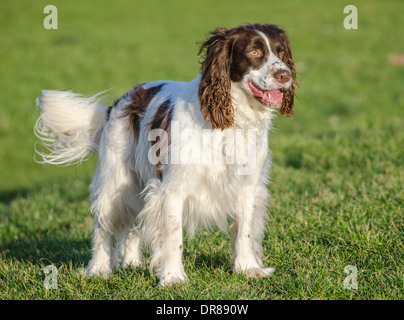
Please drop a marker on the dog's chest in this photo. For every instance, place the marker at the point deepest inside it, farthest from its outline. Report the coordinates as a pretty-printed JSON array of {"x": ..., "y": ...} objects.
[{"x": 213, "y": 197}]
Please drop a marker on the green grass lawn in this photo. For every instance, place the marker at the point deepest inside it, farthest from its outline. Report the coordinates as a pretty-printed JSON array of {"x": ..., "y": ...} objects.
[{"x": 337, "y": 180}]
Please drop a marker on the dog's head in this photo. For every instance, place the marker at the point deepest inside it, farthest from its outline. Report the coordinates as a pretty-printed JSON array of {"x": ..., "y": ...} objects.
[{"x": 258, "y": 59}]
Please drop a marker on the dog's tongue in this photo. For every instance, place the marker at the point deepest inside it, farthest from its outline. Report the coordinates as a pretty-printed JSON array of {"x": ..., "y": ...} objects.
[{"x": 272, "y": 96}]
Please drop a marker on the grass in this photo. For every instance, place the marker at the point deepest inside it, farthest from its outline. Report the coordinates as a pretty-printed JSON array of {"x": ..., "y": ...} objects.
[{"x": 337, "y": 181}]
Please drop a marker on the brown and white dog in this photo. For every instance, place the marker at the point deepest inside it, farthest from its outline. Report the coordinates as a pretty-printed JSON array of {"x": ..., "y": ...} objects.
[{"x": 180, "y": 154}]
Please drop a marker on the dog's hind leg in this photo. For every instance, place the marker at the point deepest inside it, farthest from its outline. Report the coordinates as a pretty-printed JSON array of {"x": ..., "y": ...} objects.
[
  {"x": 103, "y": 259},
  {"x": 131, "y": 249},
  {"x": 161, "y": 221},
  {"x": 113, "y": 197}
]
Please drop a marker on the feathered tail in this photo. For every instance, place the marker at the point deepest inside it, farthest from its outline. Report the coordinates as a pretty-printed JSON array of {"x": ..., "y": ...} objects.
[{"x": 69, "y": 126}]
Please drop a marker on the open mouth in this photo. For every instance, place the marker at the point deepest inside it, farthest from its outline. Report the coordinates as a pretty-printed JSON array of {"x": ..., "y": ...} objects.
[{"x": 266, "y": 97}]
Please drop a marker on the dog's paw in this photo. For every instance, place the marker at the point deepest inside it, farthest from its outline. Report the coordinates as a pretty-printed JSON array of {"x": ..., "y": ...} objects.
[
  {"x": 254, "y": 272},
  {"x": 131, "y": 263},
  {"x": 171, "y": 278},
  {"x": 259, "y": 272},
  {"x": 103, "y": 271}
]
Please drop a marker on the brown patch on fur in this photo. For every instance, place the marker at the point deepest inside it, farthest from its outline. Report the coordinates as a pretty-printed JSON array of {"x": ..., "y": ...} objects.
[
  {"x": 161, "y": 120},
  {"x": 140, "y": 99},
  {"x": 214, "y": 88},
  {"x": 288, "y": 95}
]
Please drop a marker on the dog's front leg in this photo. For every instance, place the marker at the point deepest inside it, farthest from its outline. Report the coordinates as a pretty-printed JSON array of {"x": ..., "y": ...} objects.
[{"x": 247, "y": 232}]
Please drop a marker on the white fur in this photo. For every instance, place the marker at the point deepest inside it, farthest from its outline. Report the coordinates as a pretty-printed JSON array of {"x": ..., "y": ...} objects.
[
  {"x": 70, "y": 126},
  {"x": 133, "y": 206}
]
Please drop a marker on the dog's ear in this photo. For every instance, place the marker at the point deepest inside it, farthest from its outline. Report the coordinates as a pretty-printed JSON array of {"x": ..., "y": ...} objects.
[
  {"x": 288, "y": 95},
  {"x": 214, "y": 88}
]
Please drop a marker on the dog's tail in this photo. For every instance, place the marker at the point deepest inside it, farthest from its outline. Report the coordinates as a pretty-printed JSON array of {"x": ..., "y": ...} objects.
[{"x": 69, "y": 126}]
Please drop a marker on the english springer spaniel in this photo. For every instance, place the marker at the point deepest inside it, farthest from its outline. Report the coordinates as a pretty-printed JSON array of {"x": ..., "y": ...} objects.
[{"x": 180, "y": 154}]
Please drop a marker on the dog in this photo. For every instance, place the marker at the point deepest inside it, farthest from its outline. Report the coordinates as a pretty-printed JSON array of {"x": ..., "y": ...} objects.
[{"x": 158, "y": 169}]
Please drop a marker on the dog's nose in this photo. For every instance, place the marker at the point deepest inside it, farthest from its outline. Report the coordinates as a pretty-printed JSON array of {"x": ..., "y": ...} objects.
[{"x": 282, "y": 75}]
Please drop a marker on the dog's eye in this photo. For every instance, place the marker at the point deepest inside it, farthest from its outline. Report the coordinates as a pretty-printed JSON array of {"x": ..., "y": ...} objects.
[
  {"x": 281, "y": 54},
  {"x": 255, "y": 53}
]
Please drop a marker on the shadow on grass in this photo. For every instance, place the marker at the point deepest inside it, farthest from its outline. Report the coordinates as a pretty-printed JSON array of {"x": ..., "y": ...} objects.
[
  {"x": 218, "y": 260},
  {"x": 29, "y": 235},
  {"x": 46, "y": 249},
  {"x": 6, "y": 197}
]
